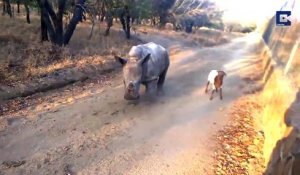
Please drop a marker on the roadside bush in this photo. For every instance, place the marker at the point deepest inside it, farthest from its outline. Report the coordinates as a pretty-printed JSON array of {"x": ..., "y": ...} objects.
[{"x": 236, "y": 27}]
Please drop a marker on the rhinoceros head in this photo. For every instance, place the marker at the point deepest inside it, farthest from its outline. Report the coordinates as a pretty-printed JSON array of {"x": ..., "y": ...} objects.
[{"x": 132, "y": 74}]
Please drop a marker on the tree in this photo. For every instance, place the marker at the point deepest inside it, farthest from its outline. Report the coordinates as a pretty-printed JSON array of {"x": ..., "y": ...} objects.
[
  {"x": 18, "y": 5},
  {"x": 140, "y": 10},
  {"x": 3, "y": 7},
  {"x": 26, "y": 5},
  {"x": 125, "y": 20},
  {"x": 7, "y": 8},
  {"x": 52, "y": 22},
  {"x": 160, "y": 8},
  {"x": 44, "y": 31},
  {"x": 77, "y": 16},
  {"x": 120, "y": 10},
  {"x": 190, "y": 13}
]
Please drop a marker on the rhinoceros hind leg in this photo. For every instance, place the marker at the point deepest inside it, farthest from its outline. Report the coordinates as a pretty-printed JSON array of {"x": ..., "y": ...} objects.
[{"x": 161, "y": 80}]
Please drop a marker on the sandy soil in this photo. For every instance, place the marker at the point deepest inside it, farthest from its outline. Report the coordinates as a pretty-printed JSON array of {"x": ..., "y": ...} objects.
[{"x": 103, "y": 134}]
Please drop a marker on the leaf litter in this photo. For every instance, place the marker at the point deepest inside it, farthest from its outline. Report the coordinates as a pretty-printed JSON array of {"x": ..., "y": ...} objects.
[{"x": 240, "y": 143}]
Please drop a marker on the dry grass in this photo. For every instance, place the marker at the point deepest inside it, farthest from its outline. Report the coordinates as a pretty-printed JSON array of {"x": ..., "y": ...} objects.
[
  {"x": 209, "y": 37},
  {"x": 278, "y": 95},
  {"x": 280, "y": 91},
  {"x": 23, "y": 57},
  {"x": 99, "y": 44}
]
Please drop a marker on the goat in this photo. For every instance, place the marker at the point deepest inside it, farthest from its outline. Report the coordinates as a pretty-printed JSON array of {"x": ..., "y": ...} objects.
[{"x": 215, "y": 78}]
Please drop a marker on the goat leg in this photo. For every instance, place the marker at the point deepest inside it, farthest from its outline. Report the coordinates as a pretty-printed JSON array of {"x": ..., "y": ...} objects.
[
  {"x": 206, "y": 87},
  {"x": 221, "y": 95},
  {"x": 212, "y": 93}
]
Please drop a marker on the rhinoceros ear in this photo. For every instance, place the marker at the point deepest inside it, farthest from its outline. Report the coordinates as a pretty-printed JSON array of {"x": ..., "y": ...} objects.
[
  {"x": 121, "y": 60},
  {"x": 145, "y": 59}
]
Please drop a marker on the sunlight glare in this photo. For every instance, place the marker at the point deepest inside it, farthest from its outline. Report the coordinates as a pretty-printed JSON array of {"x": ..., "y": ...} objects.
[{"x": 248, "y": 11}]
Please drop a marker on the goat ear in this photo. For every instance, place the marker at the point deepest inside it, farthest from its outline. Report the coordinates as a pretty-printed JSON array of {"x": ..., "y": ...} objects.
[
  {"x": 145, "y": 59},
  {"x": 123, "y": 61},
  {"x": 223, "y": 73}
]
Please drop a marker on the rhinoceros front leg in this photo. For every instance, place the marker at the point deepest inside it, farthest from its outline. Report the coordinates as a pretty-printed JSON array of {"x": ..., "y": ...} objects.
[{"x": 151, "y": 88}]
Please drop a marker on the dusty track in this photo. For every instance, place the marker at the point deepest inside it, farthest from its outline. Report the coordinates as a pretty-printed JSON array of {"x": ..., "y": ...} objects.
[{"x": 103, "y": 134}]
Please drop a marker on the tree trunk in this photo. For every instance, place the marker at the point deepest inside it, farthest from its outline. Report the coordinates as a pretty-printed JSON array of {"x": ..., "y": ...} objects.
[
  {"x": 46, "y": 24},
  {"x": 52, "y": 23},
  {"x": 8, "y": 8},
  {"x": 189, "y": 28},
  {"x": 50, "y": 28},
  {"x": 102, "y": 18},
  {"x": 77, "y": 16},
  {"x": 44, "y": 31},
  {"x": 18, "y": 6},
  {"x": 162, "y": 20},
  {"x": 128, "y": 27},
  {"x": 109, "y": 23},
  {"x": 125, "y": 21},
  {"x": 4, "y": 7},
  {"x": 102, "y": 13},
  {"x": 12, "y": 11},
  {"x": 27, "y": 13},
  {"x": 153, "y": 21},
  {"x": 59, "y": 28}
]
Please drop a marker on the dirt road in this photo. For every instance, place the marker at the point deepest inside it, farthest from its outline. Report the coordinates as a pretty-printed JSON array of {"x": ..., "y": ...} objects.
[{"x": 103, "y": 134}]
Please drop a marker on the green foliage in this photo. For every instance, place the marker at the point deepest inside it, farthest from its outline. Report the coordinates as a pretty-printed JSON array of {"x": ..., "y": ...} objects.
[
  {"x": 178, "y": 12},
  {"x": 236, "y": 27},
  {"x": 216, "y": 25},
  {"x": 142, "y": 9},
  {"x": 197, "y": 13},
  {"x": 30, "y": 3}
]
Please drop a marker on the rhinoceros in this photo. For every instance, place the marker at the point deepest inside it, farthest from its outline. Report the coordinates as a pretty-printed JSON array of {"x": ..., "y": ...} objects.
[{"x": 147, "y": 64}]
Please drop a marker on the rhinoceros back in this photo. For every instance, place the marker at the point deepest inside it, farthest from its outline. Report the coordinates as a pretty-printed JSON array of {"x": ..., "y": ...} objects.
[{"x": 158, "y": 62}]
